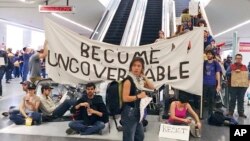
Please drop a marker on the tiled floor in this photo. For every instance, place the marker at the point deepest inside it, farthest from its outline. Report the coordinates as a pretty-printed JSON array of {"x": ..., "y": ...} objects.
[{"x": 13, "y": 92}]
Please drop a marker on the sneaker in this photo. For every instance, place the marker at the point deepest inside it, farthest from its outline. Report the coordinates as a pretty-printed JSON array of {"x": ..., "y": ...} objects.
[
  {"x": 242, "y": 115},
  {"x": 70, "y": 131},
  {"x": 5, "y": 114}
]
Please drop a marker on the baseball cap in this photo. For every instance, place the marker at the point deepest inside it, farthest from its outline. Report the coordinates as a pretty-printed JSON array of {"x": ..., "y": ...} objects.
[
  {"x": 31, "y": 86},
  {"x": 25, "y": 82},
  {"x": 46, "y": 86}
]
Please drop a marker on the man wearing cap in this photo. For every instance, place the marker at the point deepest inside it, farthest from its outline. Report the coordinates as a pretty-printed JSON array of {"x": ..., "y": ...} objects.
[
  {"x": 13, "y": 109},
  {"x": 28, "y": 108},
  {"x": 34, "y": 63},
  {"x": 49, "y": 107}
]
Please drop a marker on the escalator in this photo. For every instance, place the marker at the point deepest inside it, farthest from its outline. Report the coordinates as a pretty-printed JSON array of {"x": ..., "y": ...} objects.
[
  {"x": 118, "y": 24},
  {"x": 152, "y": 22}
]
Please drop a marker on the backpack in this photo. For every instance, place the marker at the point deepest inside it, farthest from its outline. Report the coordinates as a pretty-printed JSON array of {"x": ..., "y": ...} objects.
[
  {"x": 216, "y": 118},
  {"x": 114, "y": 100}
]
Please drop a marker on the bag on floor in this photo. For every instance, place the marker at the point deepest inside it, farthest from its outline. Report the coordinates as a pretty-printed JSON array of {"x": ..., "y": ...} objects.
[{"x": 216, "y": 118}]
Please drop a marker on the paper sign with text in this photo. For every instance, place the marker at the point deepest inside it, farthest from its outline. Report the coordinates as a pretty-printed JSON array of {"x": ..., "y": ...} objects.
[{"x": 174, "y": 132}]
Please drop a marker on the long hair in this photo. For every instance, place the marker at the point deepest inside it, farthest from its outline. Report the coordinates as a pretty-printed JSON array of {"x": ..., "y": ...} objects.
[{"x": 139, "y": 60}]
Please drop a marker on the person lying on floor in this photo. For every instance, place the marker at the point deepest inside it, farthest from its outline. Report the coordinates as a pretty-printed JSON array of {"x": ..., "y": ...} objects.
[
  {"x": 178, "y": 114},
  {"x": 28, "y": 108},
  {"x": 13, "y": 109},
  {"x": 91, "y": 113},
  {"x": 49, "y": 108}
]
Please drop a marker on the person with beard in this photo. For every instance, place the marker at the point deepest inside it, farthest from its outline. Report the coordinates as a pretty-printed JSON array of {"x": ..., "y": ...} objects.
[
  {"x": 92, "y": 113},
  {"x": 211, "y": 80},
  {"x": 239, "y": 81}
]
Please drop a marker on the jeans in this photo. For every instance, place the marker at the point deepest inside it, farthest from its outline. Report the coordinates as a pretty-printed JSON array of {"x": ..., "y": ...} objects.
[
  {"x": 25, "y": 72},
  {"x": 63, "y": 108},
  {"x": 84, "y": 129},
  {"x": 19, "y": 119},
  {"x": 2, "y": 71},
  {"x": 209, "y": 93},
  {"x": 132, "y": 129},
  {"x": 237, "y": 93},
  {"x": 43, "y": 73}
]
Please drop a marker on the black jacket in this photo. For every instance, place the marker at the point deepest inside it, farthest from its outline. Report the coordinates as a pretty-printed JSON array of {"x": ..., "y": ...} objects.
[{"x": 97, "y": 104}]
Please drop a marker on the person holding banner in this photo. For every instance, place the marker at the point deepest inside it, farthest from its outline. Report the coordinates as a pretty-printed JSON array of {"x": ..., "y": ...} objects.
[
  {"x": 34, "y": 63},
  {"x": 130, "y": 116},
  {"x": 161, "y": 36},
  {"x": 239, "y": 82},
  {"x": 178, "y": 114}
]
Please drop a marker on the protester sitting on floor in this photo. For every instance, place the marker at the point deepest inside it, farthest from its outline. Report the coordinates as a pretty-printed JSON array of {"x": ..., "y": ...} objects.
[
  {"x": 49, "y": 108},
  {"x": 91, "y": 113},
  {"x": 13, "y": 109},
  {"x": 178, "y": 114},
  {"x": 28, "y": 108}
]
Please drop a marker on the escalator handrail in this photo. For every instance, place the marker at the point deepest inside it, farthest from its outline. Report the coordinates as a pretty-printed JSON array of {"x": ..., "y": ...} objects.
[
  {"x": 165, "y": 17},
  {"x": 106, "y": 20},
  {"x": 132, "y": 33}
]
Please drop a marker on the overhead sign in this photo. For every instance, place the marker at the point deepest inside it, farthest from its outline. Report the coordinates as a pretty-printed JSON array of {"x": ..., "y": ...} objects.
[
  {"x": 244, "y": 47},
  {"x": 56, "y": 9},
  {"x": 174, "y": 132}
]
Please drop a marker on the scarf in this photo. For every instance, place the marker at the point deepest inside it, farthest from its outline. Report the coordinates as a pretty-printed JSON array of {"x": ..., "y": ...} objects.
[{"x": 139, "y": 82}]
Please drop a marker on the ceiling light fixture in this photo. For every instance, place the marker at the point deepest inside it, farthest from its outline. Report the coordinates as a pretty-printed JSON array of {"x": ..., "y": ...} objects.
[
  {"x": 232, "y": 28},
  {"x": 73, "y": 22},
  {"x": 21, "y": 25}
]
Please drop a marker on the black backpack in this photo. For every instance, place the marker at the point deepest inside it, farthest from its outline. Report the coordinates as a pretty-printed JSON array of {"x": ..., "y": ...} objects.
[
  {"x": 216, "y": 118},
  {"x": 114, "y": 100}
]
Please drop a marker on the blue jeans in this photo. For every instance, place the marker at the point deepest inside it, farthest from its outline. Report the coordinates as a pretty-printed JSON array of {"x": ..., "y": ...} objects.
[
  {"x": 81, "y": 127},
  {"x": 19, "y": 119},
  {"x": 63, "y": 108},
  {"x": 132, "y": 129},
  {"x": 237, "y": 93},
  {"x": 25, "y": 72}
]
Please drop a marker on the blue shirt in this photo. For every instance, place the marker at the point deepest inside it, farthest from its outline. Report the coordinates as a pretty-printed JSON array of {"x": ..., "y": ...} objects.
[{"x": 210, "y": 69}]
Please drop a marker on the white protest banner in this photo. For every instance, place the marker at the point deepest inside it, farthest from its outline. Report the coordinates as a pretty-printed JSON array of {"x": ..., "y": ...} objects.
[
  {"x": 73, "y": 58},
  {"x": 174, "y": 132}
]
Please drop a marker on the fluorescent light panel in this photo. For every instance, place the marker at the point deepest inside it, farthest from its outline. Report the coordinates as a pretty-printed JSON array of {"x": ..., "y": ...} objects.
[
  {"x": 21, "y": 25},
  {"x": 232, "y": 28},
  {"x": 73, "y": 22}
]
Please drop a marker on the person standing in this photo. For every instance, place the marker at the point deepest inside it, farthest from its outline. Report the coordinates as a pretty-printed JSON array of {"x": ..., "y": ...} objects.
[
  {"x": 238, "y": 77},
  {"x": 34, "y": 63},
  {"x": 211, "y": 80},
  {"x": 131, "y": 96},
  {"x": 4, "y": 61},
  {"x": 27, "y": 52}
]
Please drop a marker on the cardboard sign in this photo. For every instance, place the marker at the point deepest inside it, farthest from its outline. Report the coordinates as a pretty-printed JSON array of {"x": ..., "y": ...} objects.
[
  {"x": 239, "y": 79},
  {"x": 174, "y": 132}
]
